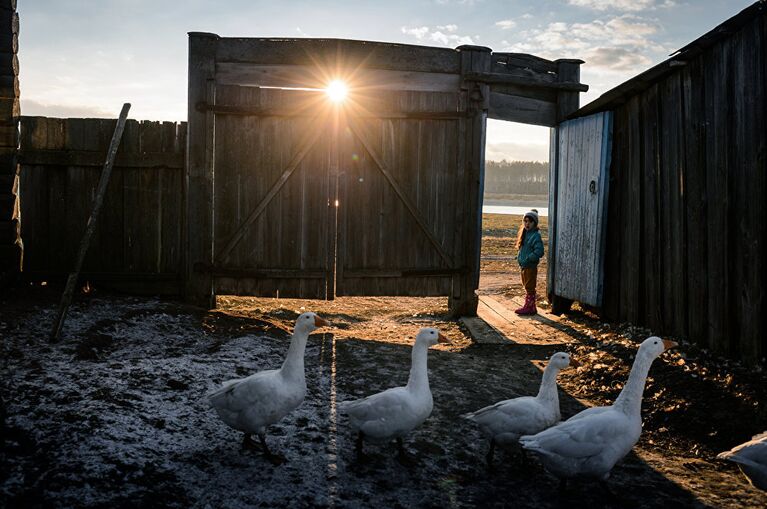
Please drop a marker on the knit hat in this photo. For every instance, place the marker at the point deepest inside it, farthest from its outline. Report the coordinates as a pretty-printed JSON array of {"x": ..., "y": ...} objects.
[{"x": 532, "y": 214}]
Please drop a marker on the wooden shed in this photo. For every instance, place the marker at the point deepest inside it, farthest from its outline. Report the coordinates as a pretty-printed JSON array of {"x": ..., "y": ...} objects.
[
  {"x": 658, "y": 195},
  {"x": 290, "y": 194}
]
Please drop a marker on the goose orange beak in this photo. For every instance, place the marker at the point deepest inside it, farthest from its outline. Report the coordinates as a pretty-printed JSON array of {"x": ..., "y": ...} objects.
[
  {"x": 319, "y": 322},
  {"x": 669, "y": 344},
  {"x": 574, "y": 363},
  {"x": 442, "y": 339}
]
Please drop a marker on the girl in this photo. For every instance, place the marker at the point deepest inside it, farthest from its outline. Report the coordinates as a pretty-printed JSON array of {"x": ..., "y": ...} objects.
[{"x": 530, "y": 248}]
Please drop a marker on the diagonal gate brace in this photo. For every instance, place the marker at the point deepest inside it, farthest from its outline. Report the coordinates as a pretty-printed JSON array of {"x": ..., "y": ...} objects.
[{"x": 405, "y": 199}]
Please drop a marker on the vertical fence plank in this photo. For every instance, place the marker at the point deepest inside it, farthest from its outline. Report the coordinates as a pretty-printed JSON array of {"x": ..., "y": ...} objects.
[
  {"x": 630, "y": 241},
  {"x": 718, "y": 137},
  {"x": 170, "y": 201},
  {"x": 695, "y": 204},
  {"x": 673, "y": 210},
  {"x": 650, "y": 293},
  {"x": 612, "y": 282},
  {"x": 748, "y": 172},
  {"x": 34, "y": 191}
]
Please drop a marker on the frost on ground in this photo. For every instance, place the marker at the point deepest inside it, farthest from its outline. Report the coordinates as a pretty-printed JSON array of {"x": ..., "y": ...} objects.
[{"x": 114, "y": 414}]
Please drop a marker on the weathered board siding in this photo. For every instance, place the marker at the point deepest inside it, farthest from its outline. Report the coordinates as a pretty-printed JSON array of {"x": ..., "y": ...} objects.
[
  {"x": 283, "y": 249},
  {"x": 275, "y": 222},
  {"x": 582, "y": 158},
  {"x": 686, "y": 227},
  {"x": 400, "y": 200},
  {"x": 137, "y": 241}
]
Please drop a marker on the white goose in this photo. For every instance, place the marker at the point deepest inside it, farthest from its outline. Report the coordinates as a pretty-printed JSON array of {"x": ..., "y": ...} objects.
[
  {"x": 751, "y": 457},
  {"x": 589, "y": 443},
  {"x": 251, "y": 404},
  {"x": 395, "y": 412},
  {"x": 504, "y": 422}
]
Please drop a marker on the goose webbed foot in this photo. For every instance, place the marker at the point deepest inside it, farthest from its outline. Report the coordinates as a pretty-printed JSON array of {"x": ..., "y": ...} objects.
[
  {"x": 274, "y": 459},
  {"x": 490, "y": 454},
  {"x": 610, "y": 495},
  {"x": 359, "y": 453},
  {"x": 403, "y": 457},
  {"x": 249, "y": 443},
  {"x": 524, "y": 459}
]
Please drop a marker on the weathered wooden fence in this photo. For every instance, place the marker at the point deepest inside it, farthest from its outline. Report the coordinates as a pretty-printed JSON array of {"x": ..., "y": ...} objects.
[
  {"x": 137, "y": 242},
  {"x": 686, "y": 224}
]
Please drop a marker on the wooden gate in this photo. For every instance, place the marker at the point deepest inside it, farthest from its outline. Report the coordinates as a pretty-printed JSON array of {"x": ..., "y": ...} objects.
[
  {"x": 580, "y": 164},
  {"x": 289, "y": 194},
  {"x": 402, "y": 173},
  {"x": 273, "y": 230},
  {"x": 289, "y": 168}
]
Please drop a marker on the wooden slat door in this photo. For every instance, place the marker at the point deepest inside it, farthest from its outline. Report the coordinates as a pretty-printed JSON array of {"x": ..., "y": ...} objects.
[
  {"x": 400, "y": 194},
  {"x": 272, "y": 193},
  {"x": 583, "y": 159}
]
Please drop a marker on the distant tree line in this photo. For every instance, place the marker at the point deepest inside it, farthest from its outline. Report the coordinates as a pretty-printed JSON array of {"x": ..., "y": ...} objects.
[{"x": 516, "y": 177}]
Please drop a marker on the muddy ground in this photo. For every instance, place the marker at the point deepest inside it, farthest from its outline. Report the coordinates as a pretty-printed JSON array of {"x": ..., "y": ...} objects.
[{"x": 114, "y": 415}]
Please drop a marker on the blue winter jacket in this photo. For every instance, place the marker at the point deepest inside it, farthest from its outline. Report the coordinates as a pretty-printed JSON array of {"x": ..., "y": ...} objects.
[{"x": 531, "y": 251}]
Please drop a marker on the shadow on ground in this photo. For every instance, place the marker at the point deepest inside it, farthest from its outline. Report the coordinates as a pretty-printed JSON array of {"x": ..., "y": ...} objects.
[{"x": 128, "y": 424}]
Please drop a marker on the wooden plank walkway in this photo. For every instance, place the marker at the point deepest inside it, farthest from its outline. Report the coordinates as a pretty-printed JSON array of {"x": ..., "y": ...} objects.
[{"x": 497, "y": 323}]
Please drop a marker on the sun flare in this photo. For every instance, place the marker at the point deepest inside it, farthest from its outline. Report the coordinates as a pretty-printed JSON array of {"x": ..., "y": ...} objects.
[{"x": 337, "y": 91}]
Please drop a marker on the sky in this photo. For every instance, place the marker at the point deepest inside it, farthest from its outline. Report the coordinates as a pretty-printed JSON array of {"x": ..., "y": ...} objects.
[{"x": 84, "y": 58}]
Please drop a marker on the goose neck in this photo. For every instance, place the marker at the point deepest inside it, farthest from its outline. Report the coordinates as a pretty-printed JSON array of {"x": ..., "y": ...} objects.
[
  {"x": 419, "y": 377},
  {"x": 630, "y": 398},
  {"x": 293, "y": 366},
  {"x": 548, "y": 390}
]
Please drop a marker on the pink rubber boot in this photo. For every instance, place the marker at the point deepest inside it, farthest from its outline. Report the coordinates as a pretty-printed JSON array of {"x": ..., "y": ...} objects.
[{"x": 529, "y": 307}]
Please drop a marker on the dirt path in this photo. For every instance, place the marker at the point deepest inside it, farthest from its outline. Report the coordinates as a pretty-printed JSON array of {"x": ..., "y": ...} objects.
[{"x": 114, "y": 415}]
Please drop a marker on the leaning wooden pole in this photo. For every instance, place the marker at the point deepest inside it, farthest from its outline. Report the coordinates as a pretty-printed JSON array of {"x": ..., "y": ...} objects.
[{"x": 66, "y": 298}]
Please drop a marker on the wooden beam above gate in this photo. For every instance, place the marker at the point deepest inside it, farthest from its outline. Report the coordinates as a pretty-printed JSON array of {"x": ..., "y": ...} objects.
[
  {"x": 327, "y": 52},
  {"x": 222, "y": 109},
  {"x": 315, "y": 77}
]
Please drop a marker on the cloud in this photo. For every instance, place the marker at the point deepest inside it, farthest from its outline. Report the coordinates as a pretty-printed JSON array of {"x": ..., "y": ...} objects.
[
  {"x": 506, "y": 24},
  {"x": 427, "y": 34},
  {"x": 461, "y": 2},
  {"x": 617, "y": 44},
  {"x": 34, "y": 108},
  {"x": 618, "y": 59},
  {"x": 623, "y": 5},
  {"x": 511, "y": 151}
]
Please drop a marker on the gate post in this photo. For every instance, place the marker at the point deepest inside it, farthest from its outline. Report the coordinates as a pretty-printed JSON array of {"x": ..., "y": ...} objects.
[
  {"x": 198, "y": 177},
  {"x": 463, "y": 297},
  {"x": 568, "y": 70}
]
